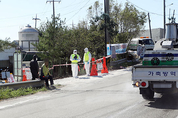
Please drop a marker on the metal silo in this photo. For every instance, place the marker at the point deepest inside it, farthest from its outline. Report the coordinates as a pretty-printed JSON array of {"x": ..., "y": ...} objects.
[{"x": 27, "y": 36}]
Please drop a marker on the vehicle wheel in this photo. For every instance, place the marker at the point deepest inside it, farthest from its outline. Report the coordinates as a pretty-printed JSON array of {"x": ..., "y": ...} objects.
[{"x": 148, "y": 95}]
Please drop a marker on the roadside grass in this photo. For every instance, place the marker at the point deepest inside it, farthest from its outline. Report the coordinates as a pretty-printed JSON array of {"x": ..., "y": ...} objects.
[{"x": 6, "y": 93}]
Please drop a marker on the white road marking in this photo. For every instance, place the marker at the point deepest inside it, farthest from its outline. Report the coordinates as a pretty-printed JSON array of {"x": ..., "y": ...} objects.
[{"x": 22, "y": 102}]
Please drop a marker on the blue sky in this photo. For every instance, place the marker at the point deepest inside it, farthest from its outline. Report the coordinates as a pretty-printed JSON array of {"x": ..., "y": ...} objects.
[{"x": 16, "y": 14}]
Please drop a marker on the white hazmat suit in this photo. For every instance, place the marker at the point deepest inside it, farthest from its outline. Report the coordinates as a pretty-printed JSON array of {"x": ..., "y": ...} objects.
[
  {"x": 75, "y": 58},
  {"x": 86, "y": 61}
]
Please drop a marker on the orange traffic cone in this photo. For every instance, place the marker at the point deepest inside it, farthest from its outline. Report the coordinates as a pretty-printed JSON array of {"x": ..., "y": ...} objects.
[
  {"x": 105, "y": 69},
  {"x": 93, "y": 69},
  {"x": 78, "y": 68},
  {"x": 24, "y": 76}
]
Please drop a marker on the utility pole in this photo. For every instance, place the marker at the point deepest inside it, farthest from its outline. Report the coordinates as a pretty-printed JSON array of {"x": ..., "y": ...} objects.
[
  {"x": 53, "y": 33},
  {"x": 150, "y": 25},
  {"x": 53, "y": 6},
  {"x": 35, "y": 20},
  {"x": 106, "y": 11},
  {"x": 164, "y": 16}
]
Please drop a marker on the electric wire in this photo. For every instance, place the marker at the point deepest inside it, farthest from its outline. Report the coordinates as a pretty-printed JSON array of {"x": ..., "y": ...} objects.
[
  {"x": 144, "y": 9},
  {"x": 72, "y": 4},
  {"x": 39, "y": 13},
  {"x": 78, "y": 11},
  {"x": 74, "y": 10},
  {"x": 43, "y": 13}
]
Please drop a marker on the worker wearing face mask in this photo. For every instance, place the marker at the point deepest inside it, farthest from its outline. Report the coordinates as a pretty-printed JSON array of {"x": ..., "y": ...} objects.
[
  {"x": 86, "y": 61},
  {"x": 75, "y": 58}
]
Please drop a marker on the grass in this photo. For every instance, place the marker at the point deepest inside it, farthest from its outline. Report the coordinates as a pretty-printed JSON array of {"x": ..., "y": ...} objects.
[{"x": 6, "y": 93}]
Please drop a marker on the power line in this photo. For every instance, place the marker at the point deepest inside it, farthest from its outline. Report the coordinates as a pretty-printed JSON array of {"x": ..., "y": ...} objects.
[
  {"x": 43, "y": 14},
  {"x": 75, "y": 10},
  {"x": 39, "y": 12},
  {"x": 144, "y": 9},
  {"x": 72, "y": 4},
  {"x": 45, "y": 9},
  {"x": 78, "y": 11}
]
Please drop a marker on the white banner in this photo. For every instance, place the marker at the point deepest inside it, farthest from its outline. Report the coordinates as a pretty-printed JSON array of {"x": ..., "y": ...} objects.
[{"x": 119, "y": 48}]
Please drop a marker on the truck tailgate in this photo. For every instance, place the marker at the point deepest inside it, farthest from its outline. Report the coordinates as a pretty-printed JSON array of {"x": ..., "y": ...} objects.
[{"x": 155, "y": 73}]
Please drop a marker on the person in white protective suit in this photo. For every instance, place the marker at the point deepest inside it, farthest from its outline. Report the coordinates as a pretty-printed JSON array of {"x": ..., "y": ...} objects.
[
  {"x": 86, "y": 61},
  {"x": 75, "y": 58}
]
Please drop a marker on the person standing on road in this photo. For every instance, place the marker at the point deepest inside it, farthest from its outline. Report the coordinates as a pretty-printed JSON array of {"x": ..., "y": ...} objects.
[
  {"x": 86, "y": 61},
  {"x": 34, "y": 68},
  {"x": 45, "y": 74},
  {"x": 75, "y": 58}
]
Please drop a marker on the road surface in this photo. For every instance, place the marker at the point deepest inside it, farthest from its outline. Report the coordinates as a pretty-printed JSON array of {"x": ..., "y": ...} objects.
[{"x": 105, "y": 96}]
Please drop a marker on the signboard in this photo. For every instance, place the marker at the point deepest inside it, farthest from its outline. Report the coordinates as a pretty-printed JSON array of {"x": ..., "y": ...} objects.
[
  {"x": 28, "y": 73},
  {"x": 156, "y": 74},
  {"x": 113, "y": 52},
  {"x": 141, "y": 50},
  {"x": 116, "y": 48}
]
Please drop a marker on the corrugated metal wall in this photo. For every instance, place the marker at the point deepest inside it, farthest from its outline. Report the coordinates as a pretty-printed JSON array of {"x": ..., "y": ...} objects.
[{"x": 157, "y": 33}]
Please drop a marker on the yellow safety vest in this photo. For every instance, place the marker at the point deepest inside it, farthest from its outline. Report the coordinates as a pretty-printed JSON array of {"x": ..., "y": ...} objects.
[
  {"x": 75, "y": 61},
  {"x": 45, "y": 70},
  {"x": 86, "y": 56}
]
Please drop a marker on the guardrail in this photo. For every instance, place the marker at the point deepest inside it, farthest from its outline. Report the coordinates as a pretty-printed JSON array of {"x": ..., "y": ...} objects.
[
  {"x": 112, "y": 63},
  {"x": 23, "y": 84}
]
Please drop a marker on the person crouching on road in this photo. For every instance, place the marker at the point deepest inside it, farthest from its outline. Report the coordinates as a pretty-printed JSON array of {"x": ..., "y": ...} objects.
[
  {"x": 86, "y": 61},
  {"x": 75, "y": 58},
  {"x": 45, "y": 74}
]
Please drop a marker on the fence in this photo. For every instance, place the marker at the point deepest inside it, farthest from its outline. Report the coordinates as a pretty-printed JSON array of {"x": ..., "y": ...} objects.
[{"x": 64, "y": 70}]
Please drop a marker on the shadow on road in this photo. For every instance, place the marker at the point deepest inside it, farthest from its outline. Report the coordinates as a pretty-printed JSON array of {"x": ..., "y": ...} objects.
[
  {"x": 84, "y": 77},
  {"x": 167, "y": 101}
]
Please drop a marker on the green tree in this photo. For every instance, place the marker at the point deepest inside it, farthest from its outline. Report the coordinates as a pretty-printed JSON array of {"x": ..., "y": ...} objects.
[
  {"x": 57, "y": 43},
  {"x": 6, "y": 44},
  {"x": 130, "y": 21},
  {"x": 51, "y": 40}
]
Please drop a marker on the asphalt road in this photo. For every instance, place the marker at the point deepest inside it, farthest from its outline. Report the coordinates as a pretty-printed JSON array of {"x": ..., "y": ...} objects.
[{"x": 105, "y": 96}]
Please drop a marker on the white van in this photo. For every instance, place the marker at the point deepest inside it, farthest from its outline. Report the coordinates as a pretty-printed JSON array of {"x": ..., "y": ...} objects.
[{"x": 146, "y": 41}]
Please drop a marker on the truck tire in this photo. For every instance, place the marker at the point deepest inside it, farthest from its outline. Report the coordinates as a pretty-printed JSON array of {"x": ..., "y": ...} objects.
[{"x": 147, "y": 93}]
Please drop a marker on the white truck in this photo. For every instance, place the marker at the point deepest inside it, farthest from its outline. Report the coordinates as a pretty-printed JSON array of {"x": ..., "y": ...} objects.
[
  {"x": 159, "y": 69},
  {"x": 145, "y": 41}
]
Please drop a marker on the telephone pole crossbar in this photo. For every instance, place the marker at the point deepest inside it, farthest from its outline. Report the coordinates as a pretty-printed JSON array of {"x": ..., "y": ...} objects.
[
  {"x": 35, "y": 20},
  {"x": 53, "y": 6}
]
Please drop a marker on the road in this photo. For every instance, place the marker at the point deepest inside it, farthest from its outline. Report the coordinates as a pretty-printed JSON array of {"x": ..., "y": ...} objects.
[{"x": 105, "y": 96}]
